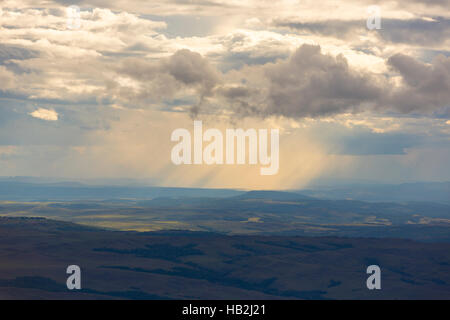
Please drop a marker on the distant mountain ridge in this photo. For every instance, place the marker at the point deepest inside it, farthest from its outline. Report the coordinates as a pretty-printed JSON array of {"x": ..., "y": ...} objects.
[
  {"x": 47, "y": 189},
  {"x": 272, "y": 195},
  {"x": 405, "y": 192},
  {"x": 67, "y": 191}
]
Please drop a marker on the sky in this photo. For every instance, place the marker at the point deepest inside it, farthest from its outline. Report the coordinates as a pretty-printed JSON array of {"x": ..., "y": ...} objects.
[{"x": 96, "y": 93}]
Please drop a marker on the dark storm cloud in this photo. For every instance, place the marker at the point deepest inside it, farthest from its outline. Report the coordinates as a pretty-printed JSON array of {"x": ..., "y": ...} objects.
[
  {"x": 190, "y": 68},
  {"x": 313, "y": 84},
  {"x": 426, "y": 87},
  {"x": 165, "y": 78},
  {"x": 235, "y": 92},
  {"x": 308, "y": 84}
]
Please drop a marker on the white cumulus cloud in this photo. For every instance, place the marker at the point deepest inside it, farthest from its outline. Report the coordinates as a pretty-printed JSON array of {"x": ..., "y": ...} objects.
[{"x": 45, "y": 114}]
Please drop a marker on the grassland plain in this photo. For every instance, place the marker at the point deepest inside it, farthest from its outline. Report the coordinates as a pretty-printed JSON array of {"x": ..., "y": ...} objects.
[{"x": 35, "y": 252}]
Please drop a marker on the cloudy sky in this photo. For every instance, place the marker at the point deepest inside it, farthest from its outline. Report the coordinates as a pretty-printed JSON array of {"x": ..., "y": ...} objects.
[{"x": 97, "y": 94}]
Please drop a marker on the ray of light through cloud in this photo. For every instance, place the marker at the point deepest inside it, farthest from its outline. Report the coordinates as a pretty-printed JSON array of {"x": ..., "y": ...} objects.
[{"x": 94, "y": 88}]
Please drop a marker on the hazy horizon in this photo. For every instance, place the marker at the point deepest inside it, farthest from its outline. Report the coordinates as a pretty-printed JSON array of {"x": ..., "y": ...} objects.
[{"x": 123, "y": 181}]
